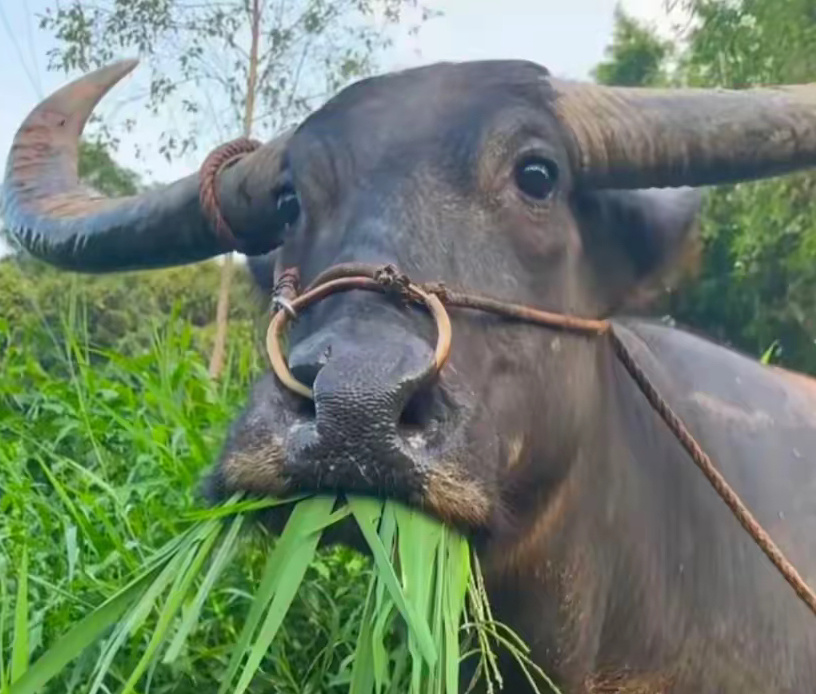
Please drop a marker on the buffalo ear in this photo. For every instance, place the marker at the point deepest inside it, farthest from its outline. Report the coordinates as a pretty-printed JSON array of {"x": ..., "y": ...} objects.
[{"x": 639, "y": 242}]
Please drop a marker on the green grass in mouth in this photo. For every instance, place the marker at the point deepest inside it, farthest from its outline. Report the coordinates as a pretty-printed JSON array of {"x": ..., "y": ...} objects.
[{"x": 426, "y": 607}]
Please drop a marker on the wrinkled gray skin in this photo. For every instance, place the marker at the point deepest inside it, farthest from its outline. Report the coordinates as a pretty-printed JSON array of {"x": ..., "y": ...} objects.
[{"x": 604, "y": 546}]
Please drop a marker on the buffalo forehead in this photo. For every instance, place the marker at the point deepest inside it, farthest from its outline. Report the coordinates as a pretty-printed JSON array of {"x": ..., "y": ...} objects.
[{"x": 430, "y": 113}]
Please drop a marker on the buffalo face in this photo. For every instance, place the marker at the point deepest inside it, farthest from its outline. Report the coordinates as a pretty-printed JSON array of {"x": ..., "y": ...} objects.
[
  {"x": 457, "y": 174},
  {"x": 492, "y": 177}
]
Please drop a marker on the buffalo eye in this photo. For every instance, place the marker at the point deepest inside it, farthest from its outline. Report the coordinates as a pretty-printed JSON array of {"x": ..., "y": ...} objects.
[
  {"x": 536, "y": 177},
  {"x": 287, "y": 206}
]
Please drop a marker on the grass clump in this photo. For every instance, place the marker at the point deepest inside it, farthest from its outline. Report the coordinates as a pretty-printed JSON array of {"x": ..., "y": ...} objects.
[
  {"x": 101, "y": 453},
  {"x": 106, "y": 586},
  {"x": 423, "y": 576}
]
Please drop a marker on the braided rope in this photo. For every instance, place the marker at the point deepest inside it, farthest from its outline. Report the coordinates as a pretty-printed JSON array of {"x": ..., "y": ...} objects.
[
  {"x": 208, "y": 197},
  {"x": 715, "y": 478}
]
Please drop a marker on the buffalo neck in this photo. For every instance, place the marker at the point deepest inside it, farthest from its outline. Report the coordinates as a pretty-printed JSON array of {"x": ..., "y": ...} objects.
[{"x": 635, "y": 553}]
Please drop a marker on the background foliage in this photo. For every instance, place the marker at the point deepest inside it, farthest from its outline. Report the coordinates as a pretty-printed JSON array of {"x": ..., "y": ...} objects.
[
  {"x": 100, "y": 452},
  {"x": 195, "y": 55},
  {"x": 87, "y": 490},
  {"x": 756, "y": 284}
]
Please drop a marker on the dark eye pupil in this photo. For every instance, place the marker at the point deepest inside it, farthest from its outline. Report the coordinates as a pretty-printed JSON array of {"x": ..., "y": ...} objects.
[
  {"x": 536, "y": 178},
  {"x": 288, "y": 206}
]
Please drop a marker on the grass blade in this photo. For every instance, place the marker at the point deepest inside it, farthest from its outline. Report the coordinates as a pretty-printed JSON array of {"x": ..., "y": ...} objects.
[
  {"x": 457, "y": 573},
  {"x": 187, "y": 574},
  {"x": 303, "y": 549},
  {"x": 90, "y": 628},
  {"x": 302, "y": 516},
  {"x": 382, "y": 618},
  {"x": 138, "y": 614},
  {"x": 63, "y": 495},
  {"x": 441, "y": 613},
  {"x": 234, "y": 507},
  {"x": 222, "y": 557},
  {"x": 79, "y": 637},
  {"x": 383, "y": 605},
  {"x": 418, "y": 539},
  {"x": 362, "y": 671},
  {"x": 262, "y": 598},
  {"x": 19, "y": 647},
  {"x": 366, "y": 513},
  {"x": 3, "y": 681}
]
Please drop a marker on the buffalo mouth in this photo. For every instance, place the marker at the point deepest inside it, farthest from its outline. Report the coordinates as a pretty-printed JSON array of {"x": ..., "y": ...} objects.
[{"x": 409, "y": 443}]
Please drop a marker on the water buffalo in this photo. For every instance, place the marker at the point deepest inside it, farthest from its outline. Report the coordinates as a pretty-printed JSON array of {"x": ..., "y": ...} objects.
[{"x": 603, "y": 546}]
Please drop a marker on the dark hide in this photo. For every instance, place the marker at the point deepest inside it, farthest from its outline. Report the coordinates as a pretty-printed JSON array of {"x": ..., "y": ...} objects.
[
  {"x": 603, "y": 544},
  {"x": 634, "y": 576}
]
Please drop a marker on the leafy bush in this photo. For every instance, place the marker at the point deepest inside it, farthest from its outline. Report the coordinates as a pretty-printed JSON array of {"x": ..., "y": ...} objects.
[
  {"x": 116, "y": 311},
  {"x": 756, "y": 286},
  {"x": 757, "y": 283}
]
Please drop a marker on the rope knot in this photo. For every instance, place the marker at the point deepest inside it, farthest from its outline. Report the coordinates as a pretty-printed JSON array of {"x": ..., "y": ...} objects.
[
  {"x": 438, "y": 289},
  {"x": 285, "y": 291},
  {"x": 287, "y": 285},
  {"x": 393, "y": 281}
]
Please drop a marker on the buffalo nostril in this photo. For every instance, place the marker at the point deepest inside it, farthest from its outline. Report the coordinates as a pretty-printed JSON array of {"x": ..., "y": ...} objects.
[
  {"x": 304, "y": 368},
  {"x": 306, "y": 408},
  {"x": 305, "y": 372},
  {"x": 416, "y": 414},
  {"x": 307, "y": 359},
  {"x": 423, "y": 413}
]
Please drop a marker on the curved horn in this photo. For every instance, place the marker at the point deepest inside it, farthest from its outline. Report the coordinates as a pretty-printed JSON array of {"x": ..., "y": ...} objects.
[
  {"x": 627, "y": 137},
  {"x": 58, "y": 220}
]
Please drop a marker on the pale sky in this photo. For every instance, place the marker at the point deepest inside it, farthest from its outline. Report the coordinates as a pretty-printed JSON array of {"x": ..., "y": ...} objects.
[{"x": 567, "y": 36}]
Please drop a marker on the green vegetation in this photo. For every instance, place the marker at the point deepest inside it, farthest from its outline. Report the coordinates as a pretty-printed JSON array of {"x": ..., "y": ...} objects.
[
  {"x": 101, "y": 450},
  {"x": 636, "y": 56},
  {"x": 427, "y": 606},
  {"x": 98, "y": 170},
  {"x": 108, "y": 418},
  {"x": 117, "y": 312},
  {"x": 756, "y": 281}
]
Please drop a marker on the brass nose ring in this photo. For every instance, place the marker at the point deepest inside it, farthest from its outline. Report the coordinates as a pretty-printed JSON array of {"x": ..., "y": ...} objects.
[{"x": 284, "y": 314}]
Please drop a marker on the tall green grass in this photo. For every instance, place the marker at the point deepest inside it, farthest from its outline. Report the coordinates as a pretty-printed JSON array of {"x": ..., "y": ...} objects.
[
  {"x": 100, "y": 454},
  {"x": 107, "y": 585}
]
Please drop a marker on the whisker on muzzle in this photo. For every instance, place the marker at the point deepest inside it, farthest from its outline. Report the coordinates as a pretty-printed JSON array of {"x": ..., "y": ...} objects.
[
  {"x": 454, "y": 498},
  {"x": 255, "y": 468}
]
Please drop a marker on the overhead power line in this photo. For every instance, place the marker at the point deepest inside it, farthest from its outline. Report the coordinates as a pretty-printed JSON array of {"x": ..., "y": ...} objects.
[{"x": 32, "y": 81}]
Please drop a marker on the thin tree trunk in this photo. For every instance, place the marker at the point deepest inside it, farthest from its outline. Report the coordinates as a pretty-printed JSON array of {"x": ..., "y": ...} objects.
[{"x": 222, "y": 309}]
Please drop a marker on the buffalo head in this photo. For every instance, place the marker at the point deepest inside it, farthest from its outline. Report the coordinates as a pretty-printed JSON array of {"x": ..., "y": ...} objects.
[{"x": 492, "y": 177}]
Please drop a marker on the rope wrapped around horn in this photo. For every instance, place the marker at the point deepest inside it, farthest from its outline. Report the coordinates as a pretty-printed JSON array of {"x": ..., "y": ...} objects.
[{"x": 60, "y": 221}]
